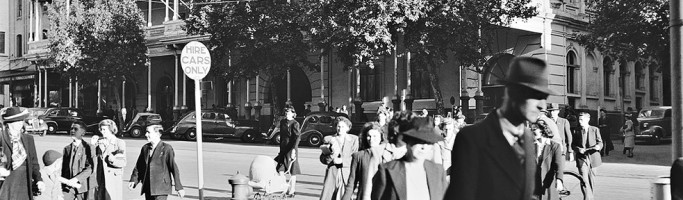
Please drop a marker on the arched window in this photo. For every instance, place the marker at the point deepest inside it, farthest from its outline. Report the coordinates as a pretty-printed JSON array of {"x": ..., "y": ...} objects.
[
  {"x": 654, "y": 87},
  {"x": 607, "y": 75},
  {"x": 592, "y": 78},
  {"x": 623, "y": 77},
  {"x": 573, "y": 83},
  {"x": 640, "y": 76},
  {"x": 20, "y": 42}
]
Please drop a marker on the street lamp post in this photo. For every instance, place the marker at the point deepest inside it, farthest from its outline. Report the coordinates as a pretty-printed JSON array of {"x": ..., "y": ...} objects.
[{"x": 675, "y": 23}]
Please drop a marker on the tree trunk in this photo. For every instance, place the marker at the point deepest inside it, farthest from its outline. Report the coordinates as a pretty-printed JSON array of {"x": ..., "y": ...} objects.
[{"x": 434, "y": 80}]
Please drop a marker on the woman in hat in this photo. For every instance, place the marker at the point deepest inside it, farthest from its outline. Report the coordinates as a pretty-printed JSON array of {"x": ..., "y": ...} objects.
[
  {"x": 19, "y": 165},
  {"x": 443, "y": 149},
  {"x": 111, "y": 160},
  {"x": 414, "y": 176},
  {"x": 550, "y": 163},
  {"x": 364, "y": 162},
  {"x": 629, "y": 135},
  {"x": 288, "y": 158}
]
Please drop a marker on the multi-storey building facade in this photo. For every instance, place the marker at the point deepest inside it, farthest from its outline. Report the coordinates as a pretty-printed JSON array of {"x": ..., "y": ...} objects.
[{"x": 584, "y": 79}]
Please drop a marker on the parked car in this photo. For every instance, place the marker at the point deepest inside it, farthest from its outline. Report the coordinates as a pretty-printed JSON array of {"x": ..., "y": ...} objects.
[
  {"x": 214, "y": 123},
  {"x": 34, "y": 124},
  {"x": 60, "y": 120},
  {"x": 315, "y": 126},
  {"x": 655, "y": 124},
  {"x": 136, "y": 127}
]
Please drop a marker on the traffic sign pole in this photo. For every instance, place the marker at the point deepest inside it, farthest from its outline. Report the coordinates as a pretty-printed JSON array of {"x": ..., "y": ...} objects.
[
  {"x": 196, "y": 62},
  {"x": 200, "y": 157}
]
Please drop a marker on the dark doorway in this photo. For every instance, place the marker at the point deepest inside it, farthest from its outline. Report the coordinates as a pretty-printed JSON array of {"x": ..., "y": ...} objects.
[
  {"x": 300, "y": 91},
  {"x": 164, "y": 101}
]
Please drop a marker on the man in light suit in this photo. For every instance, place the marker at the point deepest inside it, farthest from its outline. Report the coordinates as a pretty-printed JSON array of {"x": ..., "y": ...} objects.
[
  {"x": 563, "y": 127},
  {"x": 587, "y": 144},
  {"x": 496, "y": 158},
  {"x": 155, "y": 166},
  {"x": 78, "y": 166}
]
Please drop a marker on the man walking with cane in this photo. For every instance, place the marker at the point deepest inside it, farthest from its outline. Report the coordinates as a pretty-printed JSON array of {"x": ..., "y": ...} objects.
[
  {"x": 496, "y": 158},
  {"x": 155, "y": 166},
  {"x": 587, "y": 144}
]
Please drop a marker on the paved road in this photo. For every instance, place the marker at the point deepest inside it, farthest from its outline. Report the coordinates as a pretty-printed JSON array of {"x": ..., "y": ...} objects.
[{"x": 618, "y": 178}]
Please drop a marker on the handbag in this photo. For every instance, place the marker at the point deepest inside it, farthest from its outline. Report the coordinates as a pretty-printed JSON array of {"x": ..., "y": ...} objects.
[{"x": 116, "y": 160}]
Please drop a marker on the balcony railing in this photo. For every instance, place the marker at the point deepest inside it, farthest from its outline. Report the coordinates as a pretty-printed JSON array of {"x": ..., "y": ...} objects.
[{"x": 154, "y": 31}]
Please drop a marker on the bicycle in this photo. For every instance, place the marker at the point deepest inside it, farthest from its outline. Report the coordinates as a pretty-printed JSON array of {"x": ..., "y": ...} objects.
[{"x": 572, "y": 186}]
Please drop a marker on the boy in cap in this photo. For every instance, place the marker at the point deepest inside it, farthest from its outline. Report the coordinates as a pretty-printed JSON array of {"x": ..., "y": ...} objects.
[
  {"x": 52, "y": 176},
  {"x": 427, "y": 179}
]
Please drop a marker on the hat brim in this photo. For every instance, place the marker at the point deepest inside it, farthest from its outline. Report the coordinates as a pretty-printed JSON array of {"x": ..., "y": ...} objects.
[
  {"x": 538, "y": 88},
  {"x": 17, "y": 117},
  {"x": 427, "y": 136}
]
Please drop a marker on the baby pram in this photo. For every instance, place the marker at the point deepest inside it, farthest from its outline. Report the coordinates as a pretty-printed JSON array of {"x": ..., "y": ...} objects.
[{"x": 267, "y": 182}]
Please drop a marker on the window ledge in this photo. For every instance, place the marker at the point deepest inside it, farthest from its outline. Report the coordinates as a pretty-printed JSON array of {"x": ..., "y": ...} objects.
[
  {"x": 573, "y": 95},
  {"x": 609, "y": 98}
]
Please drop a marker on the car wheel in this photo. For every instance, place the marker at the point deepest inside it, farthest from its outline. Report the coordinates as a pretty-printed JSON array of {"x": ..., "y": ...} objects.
[
  {"x": 51, "y": 128},
  {"x": 275, "y": 139},
  {"x": 136, "y": 132},
  {"x": 191, "y": 135},
  {"x": 656, "y": 140},
  {"x": 248, "y": 136},
  {"x": 315, "y": 139}
]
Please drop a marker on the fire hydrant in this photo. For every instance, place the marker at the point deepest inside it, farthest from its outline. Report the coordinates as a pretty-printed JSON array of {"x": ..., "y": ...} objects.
[{"x": 240, "y": 186}]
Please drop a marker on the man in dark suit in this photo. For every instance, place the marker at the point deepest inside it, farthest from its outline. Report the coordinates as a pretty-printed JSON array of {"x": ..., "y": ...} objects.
[
  {"x": 564, "y": 129},
  {"x": 155, "y": 166},
  {"x": 587, "y": 144},
  {"x": 78, "y": 165},
  {"x": 413, "y": 176},
  {"x": 496, "y": 158}
]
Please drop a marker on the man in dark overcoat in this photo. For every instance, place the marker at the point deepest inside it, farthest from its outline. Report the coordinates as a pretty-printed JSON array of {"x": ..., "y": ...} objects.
[
  {"x": 79, "y": 166},
  {"x": 496, "y": 158},
  {"x": 155, "y": 166}
]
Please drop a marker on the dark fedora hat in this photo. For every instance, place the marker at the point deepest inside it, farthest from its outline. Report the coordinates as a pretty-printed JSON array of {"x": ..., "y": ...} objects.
[
  {"x": 428, "y": 135},
  {"x": 530, "y": 72},
  {"x": 14, "y": 114}
]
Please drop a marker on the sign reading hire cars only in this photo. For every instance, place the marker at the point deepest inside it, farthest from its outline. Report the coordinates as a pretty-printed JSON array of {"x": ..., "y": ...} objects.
[
  {"x": 196, "y": 60},
  {"x": 196, "y": 63}
]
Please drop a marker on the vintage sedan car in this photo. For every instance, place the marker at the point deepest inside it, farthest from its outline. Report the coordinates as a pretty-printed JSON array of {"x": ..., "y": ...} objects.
[
  {"x": 34, "y": 124},
  {"x": 136, "y": 127},
  {"x": 654, "y": 124},
  {"x": 315, "y": 126},
  {"x": 60, "y": 120},
  {"x": 215, "y": 123}
]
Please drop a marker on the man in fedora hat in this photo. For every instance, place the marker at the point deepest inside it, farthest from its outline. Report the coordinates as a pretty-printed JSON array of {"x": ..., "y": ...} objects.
[
  {"x": 496, "y": 158},
  {"x": 413, "y": 176},
  {"x": 19, "y": 151},
  {"x": 564, "y": 129}
]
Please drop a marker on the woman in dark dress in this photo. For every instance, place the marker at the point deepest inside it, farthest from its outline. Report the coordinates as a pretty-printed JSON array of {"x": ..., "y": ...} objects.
[
  {"x": 288, "y": 158},
  {"x": 364, "y": 163},
  {"x": 19, "y": 152}
]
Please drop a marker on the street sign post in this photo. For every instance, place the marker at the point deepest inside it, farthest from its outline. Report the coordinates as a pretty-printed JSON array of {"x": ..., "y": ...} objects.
[{"x": 196, "y": 62}]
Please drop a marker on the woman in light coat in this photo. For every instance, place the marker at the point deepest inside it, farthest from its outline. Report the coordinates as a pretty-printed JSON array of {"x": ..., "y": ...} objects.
[
  {"x": 111, "y": 160},
  {"x": 629, "y": 135}
]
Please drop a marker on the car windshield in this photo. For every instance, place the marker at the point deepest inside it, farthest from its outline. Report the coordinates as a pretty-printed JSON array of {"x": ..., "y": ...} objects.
[
  {"x": 34, "y": 112},
  {"x": 651, "y": 113}
]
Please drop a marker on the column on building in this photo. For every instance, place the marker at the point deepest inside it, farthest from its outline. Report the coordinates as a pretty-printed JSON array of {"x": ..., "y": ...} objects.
[{"x": 149, "y": 86}]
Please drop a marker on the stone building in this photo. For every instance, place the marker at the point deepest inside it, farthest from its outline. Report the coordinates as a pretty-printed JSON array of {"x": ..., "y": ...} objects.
[{"x": 584, "y": 79}]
